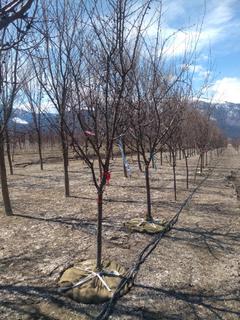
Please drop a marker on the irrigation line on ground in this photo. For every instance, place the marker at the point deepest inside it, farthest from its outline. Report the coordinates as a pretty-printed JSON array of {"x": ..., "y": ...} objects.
[{"x": 133, "y": 271}]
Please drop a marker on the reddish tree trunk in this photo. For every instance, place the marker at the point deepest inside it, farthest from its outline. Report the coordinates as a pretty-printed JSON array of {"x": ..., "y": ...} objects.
[{"x": 99, "y": 230}]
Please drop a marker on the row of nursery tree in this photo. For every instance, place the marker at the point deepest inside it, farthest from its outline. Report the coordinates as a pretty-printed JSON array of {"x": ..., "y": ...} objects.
[{"x": 109, "y": 73}]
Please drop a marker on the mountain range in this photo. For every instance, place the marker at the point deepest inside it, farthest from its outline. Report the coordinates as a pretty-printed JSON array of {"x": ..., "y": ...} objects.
[
  {"x": 22, "y": 120},
  {"x": 227, "y": 116}
]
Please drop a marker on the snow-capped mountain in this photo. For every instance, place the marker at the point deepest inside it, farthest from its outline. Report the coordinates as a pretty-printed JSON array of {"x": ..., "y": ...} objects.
[
  {"x": 19, "y": 121},
  {"x": 23, "y": 120},
  {"x": 226, "y": 114}
]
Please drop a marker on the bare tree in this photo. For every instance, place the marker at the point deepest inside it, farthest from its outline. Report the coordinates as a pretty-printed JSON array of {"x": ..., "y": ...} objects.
[
  {"x": 100, "y": 83},
  {"x": 14, "y": 25},
  {"x": 155, "y": 116},
  {"x": 186, "y": 139},
  {"x": 8, "y": 91},
  {"x": 34, "y": 94},
  {"x": 14, "y": 10},
  {"x": 173, "y": 143},
  {"x": 51, "y": 61}
]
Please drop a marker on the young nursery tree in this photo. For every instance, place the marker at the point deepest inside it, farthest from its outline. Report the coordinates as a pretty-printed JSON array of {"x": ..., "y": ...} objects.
[
  {"x": 14, "y": 25},
  {"x": 154, "y": 115},
  {"x": 8, "y": 92},
  {"x": 100, "y": 86},
  {"x": 33, "y": 92},
  {"x": 174, "y": 138},
  {"x": 150, "y": 124},
  {"x": 186, "y": 139},
  {"x": 60, "y": 28}
]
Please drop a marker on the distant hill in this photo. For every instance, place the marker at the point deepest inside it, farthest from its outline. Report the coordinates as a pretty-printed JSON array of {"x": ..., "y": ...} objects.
[
  {"x": 22, "y": 120},
  {"x": 227, "y": 116}
]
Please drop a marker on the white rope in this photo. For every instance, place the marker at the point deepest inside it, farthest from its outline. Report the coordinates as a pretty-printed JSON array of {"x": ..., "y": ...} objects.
[{"x": 92, "y": 275}]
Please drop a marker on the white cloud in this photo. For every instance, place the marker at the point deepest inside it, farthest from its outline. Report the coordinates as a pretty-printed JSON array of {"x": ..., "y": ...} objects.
[
  {"x": 226, "y": 89},
  {"x": 173, "y": 9},
  {"x": 199, "y": 71},
  {"x": 221, "y": 12},
  {"x": 195, "y": 28}
]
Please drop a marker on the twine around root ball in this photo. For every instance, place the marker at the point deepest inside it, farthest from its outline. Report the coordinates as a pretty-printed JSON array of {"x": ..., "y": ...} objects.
[{"x": 83, "y": 283}]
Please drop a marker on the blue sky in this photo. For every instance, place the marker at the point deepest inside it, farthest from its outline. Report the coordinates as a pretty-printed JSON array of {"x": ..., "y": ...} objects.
[
  {"x": 216, "y": 25},
  {"x": 218, "y": 50}
]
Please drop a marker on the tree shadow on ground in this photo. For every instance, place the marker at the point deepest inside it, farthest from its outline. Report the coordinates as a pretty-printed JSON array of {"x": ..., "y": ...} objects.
[
  {"x": 45, "y": 177},
  {"x": 215, "y": 239},
  {"x": 155, "y": 203},
  {"x": 89, "y": 227},
  {"x": 182, "y": 304},
  {"x": 25, "y": 300},
  {"x": 76, "y": 223},
  {"x": 213, "y": 209},
  {"x": 21, "y": 259},
  {"x": 110, "y": 199}
]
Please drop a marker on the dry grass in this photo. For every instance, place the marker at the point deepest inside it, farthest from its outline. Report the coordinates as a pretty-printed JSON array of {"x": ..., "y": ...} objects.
[{"x": 192, "y": 274}]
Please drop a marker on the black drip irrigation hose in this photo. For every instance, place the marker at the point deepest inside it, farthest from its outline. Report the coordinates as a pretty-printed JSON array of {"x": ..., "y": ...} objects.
[{"x": 144, "y": 254}]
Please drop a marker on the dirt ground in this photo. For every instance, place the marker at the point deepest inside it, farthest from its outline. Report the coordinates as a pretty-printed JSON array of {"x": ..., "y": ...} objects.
[{"x": 194, "y": 273}]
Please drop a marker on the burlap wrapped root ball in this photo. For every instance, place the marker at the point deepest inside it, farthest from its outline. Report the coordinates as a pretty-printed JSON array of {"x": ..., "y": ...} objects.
[
  {"x": 93, "y": 290},
  {"x": 144, "y": 226}
]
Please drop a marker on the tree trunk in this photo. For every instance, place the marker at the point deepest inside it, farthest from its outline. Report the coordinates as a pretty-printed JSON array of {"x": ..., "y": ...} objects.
[
  {"x": 149, "y": 213},
  {"x": 187, "y": 171},
  {"x": 40, "y": 150},
  {"x": 153, "y": 163},
  {"x": 99, "y": 230},
  {"x": 174, "y": 175},
  {"x": 4, "y": 185},
  {"x": 161, "y": 157},
  {"x": 14, "y": 143},
  {"x": 86, "y": 146},
  {"x": 100, "y": 167},
  {"x": 201, "y": 162},
  {"x": 180, "y": 154},
  {"x": 65, "y": 163},
  {"x": 139, "y": 159},
  {"x": 124, "y": 153},
  {"x": 13, "y": 152},
  {"x": 9, "y": 151}
]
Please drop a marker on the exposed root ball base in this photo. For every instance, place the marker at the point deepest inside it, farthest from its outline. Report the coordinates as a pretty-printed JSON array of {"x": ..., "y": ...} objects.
[
  {"x": 92, "y": 290},
  {"x": 141, "y": 225}
]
